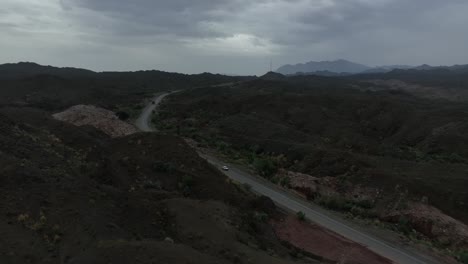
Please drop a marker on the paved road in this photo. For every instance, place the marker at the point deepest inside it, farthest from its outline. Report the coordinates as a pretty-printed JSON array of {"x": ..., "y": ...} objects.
[
  {"x": 314, "y": 213},
  {"x": 144, "y": 121},
  {"x": 320, "y": 216}
]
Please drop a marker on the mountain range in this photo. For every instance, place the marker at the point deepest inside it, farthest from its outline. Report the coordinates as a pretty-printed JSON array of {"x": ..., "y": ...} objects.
[
  {"x": 344, "y": 67},
  {"x": 338, "y": 66}
]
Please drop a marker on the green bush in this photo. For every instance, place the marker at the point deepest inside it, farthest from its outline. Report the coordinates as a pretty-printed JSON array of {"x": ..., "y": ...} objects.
[
  {"x": 260, "y": 217},
  {"x": 366, "y": 204},
  {"x": 222, "y": 146},
  {"x": 285, "y": 182},
  {"x": 275, "y": 180},
  {"x": 186, "y": 185},
  {"x": 301, "y": 216},
  {"x": 404, "y": 225},
  {"x": 454, "y": 158},
  {"x": 265, "y": 167},
  {"x": 160, "y": 166},
  {"x": 122, "y": 115},
  {"x": 251, "y": 157},
  {"x": 355, "y": 210},
  {"x": 187, "y": 181},
  {"x": 335, "y": 202}
]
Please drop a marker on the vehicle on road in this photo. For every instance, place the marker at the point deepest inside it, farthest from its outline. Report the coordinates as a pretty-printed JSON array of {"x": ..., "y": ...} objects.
[{"x": 225, "y": 168}]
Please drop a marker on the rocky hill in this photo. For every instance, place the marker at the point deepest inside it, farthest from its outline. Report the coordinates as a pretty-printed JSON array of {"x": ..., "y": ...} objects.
[
  {"x": 89, "y": 189},
  {"x": 101, "y": 119},
  {"x": 56, "y": 89},
  {"x": 74, "y": 195}
]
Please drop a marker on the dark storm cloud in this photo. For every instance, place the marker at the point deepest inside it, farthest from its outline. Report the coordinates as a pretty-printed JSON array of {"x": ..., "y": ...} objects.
[
  {"x": 311, "y": 20},
  {"x": 176, "y": 17},
  {"x": 343, "y": 19},
  {"x": 199, "y": 35}
]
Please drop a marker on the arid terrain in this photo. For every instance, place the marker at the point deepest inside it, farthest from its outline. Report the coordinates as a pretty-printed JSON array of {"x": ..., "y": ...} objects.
[
  {"x": 393, "y": 154},
  {"x": 75, "y": 195},
  {"x": 233, "y": 132},
  {"x": 80, "y": 184}
]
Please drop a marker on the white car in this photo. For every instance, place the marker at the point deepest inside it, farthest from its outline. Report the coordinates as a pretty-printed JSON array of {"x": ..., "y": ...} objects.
[{"x": 225, "y": 168}]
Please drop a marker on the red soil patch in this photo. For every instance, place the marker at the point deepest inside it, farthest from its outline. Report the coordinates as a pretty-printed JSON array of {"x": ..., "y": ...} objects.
[
  {"x": 102, "y": 119},
  {"x": 321, "y": 242}
]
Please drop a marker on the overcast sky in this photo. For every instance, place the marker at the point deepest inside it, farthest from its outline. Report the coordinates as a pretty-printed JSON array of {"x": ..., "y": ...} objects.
[{"x": 231, "y": 36}]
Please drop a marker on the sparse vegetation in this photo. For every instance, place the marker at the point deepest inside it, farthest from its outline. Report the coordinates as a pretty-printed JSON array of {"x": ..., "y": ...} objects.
[
  {"x": 404, "y": 225},
  {"x": 123, "y": 115},
  {"x": 112, "y": 195},
  {"x": 368, "y": 138},
  {"x": 261, "y": 217},
  {"x": 61, "y": 88},
  {"x": 285, "y": 182},
  {"x": 264, "y": 166},
  {"x": 247, "y": 187},
  {"x": 114, "y": 189},
  {"x": 161, "y": 166},
  {"x": 145, "y": 188},
  {"x": 335, "y": 202},
  {"x": 186, "y": 185},
  {"x": 301, "y": 216}
]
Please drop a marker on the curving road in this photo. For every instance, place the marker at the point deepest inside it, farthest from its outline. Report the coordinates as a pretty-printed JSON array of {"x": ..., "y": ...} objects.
[
  {"x": 292, "y": 203},
  {"x": 144, "y": 121}
]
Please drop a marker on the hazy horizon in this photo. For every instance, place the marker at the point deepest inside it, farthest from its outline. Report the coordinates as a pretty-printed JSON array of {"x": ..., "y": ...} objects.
[
  {"x": 223, "y": 73},
  {"x": 236, "y": 37}
]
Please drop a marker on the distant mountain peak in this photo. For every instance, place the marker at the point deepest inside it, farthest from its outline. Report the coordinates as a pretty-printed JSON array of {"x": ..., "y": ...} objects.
[
  {"x": 424, "y": 67},
  {"x": 341, "y": 67},
  {"x": 336, "y": 66}
]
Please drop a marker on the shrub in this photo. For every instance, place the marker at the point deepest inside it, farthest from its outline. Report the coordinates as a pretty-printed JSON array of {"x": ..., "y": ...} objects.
[
  {"x": 365, "y": 203},
  {"x": 275, "y": 180},
  {"x": 122, "y": 115},
  {"x": 246, "y": 187},
  {"x": 285, "y": 181},
  {"x": 137, "y": 106},
  {"x": 463, "y": 257},
  {"x": 404, "y": 225},
  {"x": 455, "y": 158},
  {"x": 265, "y": 167},
  {"x": 260, "y": 217},
  {"x": 222, "y": 146},
  {"x": 251, "y": 157},
  {"x": 335, "y": 202},
  {"x": 187, "y": 181},
  {"x": 163, "y": 167},
  {"x": 300, "y": 215},
  {"x": 186, "y": 185}
]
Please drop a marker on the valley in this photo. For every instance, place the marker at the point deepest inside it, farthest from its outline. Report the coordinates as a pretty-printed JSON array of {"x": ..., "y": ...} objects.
[
  {"x": 294, "y": 204},
  {"x": 319, "y": 154}
]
